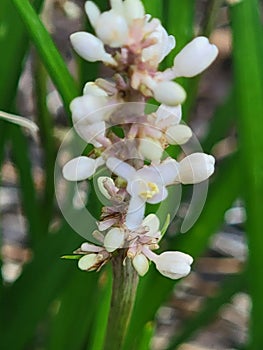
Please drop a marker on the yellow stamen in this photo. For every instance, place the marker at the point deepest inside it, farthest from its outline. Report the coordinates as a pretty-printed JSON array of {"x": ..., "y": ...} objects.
[{"x": 153, "y": 190}]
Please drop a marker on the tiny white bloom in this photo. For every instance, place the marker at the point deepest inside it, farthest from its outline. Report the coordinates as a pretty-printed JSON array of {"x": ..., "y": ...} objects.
[
  {"x": 152, "y": 223},
  {"x": 90, "y": 48},
  {"x": 92, "y": 11},
  {"x": 81, "y": 168},
  {"x": 195, "y": 57},
  {"x": 114, "y": 239},
  {"x": 133, "y": 9},
  {"x": 173, "y": 264},
  {"x": 141, "y": 264}
]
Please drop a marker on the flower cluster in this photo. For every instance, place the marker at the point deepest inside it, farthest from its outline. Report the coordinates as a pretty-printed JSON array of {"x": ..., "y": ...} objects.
[{"x": 132, "y": 45}]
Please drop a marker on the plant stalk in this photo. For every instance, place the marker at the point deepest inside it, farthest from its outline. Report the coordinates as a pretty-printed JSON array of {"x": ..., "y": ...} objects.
[{"x": 125, "y": 282}]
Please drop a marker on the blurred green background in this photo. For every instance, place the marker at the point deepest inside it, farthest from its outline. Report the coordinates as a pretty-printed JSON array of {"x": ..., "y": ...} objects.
[{"x": 46, "y": 302}]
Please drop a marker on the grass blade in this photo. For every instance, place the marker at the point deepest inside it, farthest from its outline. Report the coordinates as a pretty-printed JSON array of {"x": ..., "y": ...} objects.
[
  {"x": 248, "y": 69},
  {"x": 48, "y": 52}
]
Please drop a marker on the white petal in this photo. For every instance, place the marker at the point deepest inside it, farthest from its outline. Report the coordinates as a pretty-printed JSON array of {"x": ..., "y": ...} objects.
[
  {"x": 92, "y": 89},
  {"x": 133, "y": 9},
  {"x": 112, "y": 29},
  {"x": 89, "y": 109},
  {"x": 150, "y": 149},
  {"x": 196, "y": 168},
  {"x": 121, "y": 168},
  {"x": 174, "y": 264},
  {"x": 165, "y": 112},
  {"x": 178, "y": 134},
  {"x": 141, "y": 264},
  {"x": 92, "y": 12},
  {"x": 195, "y": 57},
  {"x": 87, "y": 261},
  {"x": 114, "y": 239},
  {"x": 79, "y": 169},
  {"x": 153, "y": 223},
  {"x": 90, "y": 48},
  {"x": 168, "y": 170},
  {"x": 135, "y": 212},
  {"x": 91, "y": 132},
  {"x": 169, "y": 93},
  {"x": 117, "y": 5}
]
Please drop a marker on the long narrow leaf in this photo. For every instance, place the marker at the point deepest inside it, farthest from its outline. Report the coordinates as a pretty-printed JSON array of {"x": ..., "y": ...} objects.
[
  {"x": 248, "y": 69},
  {"x": 48, "y": 52}
]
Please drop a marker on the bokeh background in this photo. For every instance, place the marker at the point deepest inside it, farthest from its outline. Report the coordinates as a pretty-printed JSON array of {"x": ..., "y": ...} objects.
[{"x": 46, "y": 303}]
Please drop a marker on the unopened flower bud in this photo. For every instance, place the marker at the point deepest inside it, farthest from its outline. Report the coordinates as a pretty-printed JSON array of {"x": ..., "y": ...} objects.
[
  {"x": 178, "y": 134},
  {"x": 80, "y": 168},
  {"x": 150, "y": 149},
  {"x": 195, "y": 57},
  {"x": 112, "y": 29},
  {"x": 90, "y": 48},
  {"x": 92, "y": 89},
  {"x": 195, "y": 168},
  {"x": 133, "y": 9},
  {"x": 169, "y": 93},
  {"x": 101, "y": 182},
  {"x": 141, "y": 264},
  {"x": 92, "y": 12},
  {"x": 114, "y": 239},
  {"x": 87, "y": 262},
  {"x": 173, "y": 264},
  {"x": 152, "y": 222}
]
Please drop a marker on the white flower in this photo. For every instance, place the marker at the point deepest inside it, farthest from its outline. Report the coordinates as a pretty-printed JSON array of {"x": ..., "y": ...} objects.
[
  {"x": 194, "y": 58},
  {"x": 141, "y": 264},
  {"x": 81, "y": 168},
  {"x": 114, "y": 239},
  {"x": 133, "y": 9},
  {"x": 90, "y": 48},
  {"x": 168, "y": 115},
  {"x": 195, "y": 168},
  {"x": 144, "y": 185},
  {"x": 173, "y": 264}
]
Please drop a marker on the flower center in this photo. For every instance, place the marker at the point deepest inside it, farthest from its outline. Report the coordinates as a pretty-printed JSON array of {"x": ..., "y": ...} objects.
[{"x": 152, "y": 191}]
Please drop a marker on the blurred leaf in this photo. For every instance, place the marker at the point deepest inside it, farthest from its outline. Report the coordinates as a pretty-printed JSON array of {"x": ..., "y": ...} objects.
[
  {"x": 154, "y": 289},
  {"x": 99, "y": 324},
  {"x": 147, "y": 334},
  {"x": 31, "y": 207},
  {"x": 77, "y": 305},
  {"x": 211, "y": 306},
  {"x": 248, "y": 70},
  {"x": 154, "y": 8},
  {"x": 14, "y": 44},
  {"x": 48, "y": 52},
  {"x": 25, "y": 302}
]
